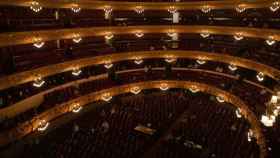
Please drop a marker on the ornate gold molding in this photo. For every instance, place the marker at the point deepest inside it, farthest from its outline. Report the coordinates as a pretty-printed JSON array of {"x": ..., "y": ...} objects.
[
  {"x": 29, "y": 103},
  {"x": 28, "y": 76},
  {"x": 15, "y": 38},
  {"x": 121, "y": 5},
  {"x": 49, "y": 115}
]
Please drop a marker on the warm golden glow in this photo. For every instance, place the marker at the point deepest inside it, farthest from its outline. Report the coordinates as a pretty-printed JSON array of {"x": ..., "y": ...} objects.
[
  {"x": 135, "y": 90},
  {"x": 35, "y": 6},
  {"x": 139, "y": 9}
]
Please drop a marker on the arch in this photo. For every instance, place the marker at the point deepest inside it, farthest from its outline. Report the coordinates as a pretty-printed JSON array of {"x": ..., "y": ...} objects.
[
  {"x": 15, "y": 38},
  {"x": 29, "y": 127},
  {"x": 28, "y": 76}
]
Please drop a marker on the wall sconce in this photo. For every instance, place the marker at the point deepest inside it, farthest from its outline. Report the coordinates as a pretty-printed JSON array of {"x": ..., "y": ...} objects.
[
  {"x": 43, "y": 125},
  {"x": 77, "y": 38},
  {"x": 76, "y": 71},
  {"x": 38, "y": 43},
  {"x": 139, "y": 9},
  {"x": 135, "y": 90},
  {"x": 38, "y": 82},
  {"x": 164, "y": 86},
  {"x": 106, "y": 97},
  {"x": 240, "y": 8},
  {"x": 232, "y": 67},
  {"x": 238, "y": 36},
  {"x": 205, "y": 9},
  {"x": 35, "y": 6},
  {"x": 76, "y": 108},
  {"x": 75, "y": 8},
  {"x": 260, "y": 76},
  {"x": 274, "y": 6}
]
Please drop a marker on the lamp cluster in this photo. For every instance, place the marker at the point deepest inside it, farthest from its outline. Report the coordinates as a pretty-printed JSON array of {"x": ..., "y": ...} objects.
[{"x": 272, "y": 111}]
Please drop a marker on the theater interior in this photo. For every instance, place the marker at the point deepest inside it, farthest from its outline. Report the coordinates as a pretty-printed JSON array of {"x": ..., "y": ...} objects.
[{"x": 139, "y": 79}]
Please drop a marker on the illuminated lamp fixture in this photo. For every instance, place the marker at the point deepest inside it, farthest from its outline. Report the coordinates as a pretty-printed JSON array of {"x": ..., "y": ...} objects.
[
  {"x": 238, "y": 37},
  {"x": 106, "y": 97},
  {"x": 107, "y": 11},
  {"x": 250, "y": 135},
  {"x": 205, "y": 9},
  {"x": 170, "y": 59},
  {"x": 139, "y": 34},
  {"x": 260, "y": 76},
  {"x": 200, "y": 62},
  {"x": 172, "y": 9},
  {"x": 240, "y": 8},
  {"x": 205, "y": 34},
  {"x": 232, "y": 67},
  {"x": 35, "y": 6},
  {"x": 75, "y": 8},
  {"x": 139, "y": 9},
  {"x": 77, "y": 38},
  {"x": 76, "y": 108},
  {"x": 275, "y": 6},
  {"x": 38, "y": 82},
  {"x": 38, "y": 43},
  {"x": 163, "y": 86},
  {"x": 43, "y": 125},
  {"x": 109, "y": 36},
  {"x": 274, "y": 99},
  {"x": 172, "y": 33},
  {"x": 268, "y": 120},
  {"x": 108, "y": 65},
  {"x": 76, "y": 71},
  {"x": 138, "y": 61},
  {"x": 238, "y": 113},
  {"x": 270, "y": 41},
  {"x": 135, "y": 90},
  {"x": 220, "y": 99},
  {"x": 194, "y": 89}
]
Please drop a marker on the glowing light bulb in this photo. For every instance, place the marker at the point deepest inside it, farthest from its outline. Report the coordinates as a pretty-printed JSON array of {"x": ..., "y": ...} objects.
[
  {"x": 108, "y": 65},
  {"x": 274, "y": 6},
  {"x": 139, "y": 9},
  {"x": 194, "y": 89},
  {"x": 38, "y": 82},
  {"x": 106, "y": 97},
  {"x": 38, "y": 43},
  {"x": 75, "y": 8},
  {"x": 238, "y": 113},
  {"x": 135, "y": 90},
  {"x": 76, "y": 108},
  {"x": 35, "y": 6},
  {"x": 270, "y": 41},
  {"x": 206, "y": 9},
  {"x": 205, "y": 34},
  {"x": 76, "y": 71},
  {"x": 260, "y": 76},
  {"x": 232, "y": 67},
  {"x": 138, "y": 61},
  {"x": 220, "y": 99},
  {"x": 200, "y": 61},
  {"x": 77, "y": 38},
  {"x": 43, "y": 125},
  {"x": 164, "y": 86},
  {"x": 170, "y": 59},
  {"x": 240, "y": 8},
  {"x": 139, "y": 34},
  {"x": 238, "y": 37},
  {"x": 172, "y": 9}
]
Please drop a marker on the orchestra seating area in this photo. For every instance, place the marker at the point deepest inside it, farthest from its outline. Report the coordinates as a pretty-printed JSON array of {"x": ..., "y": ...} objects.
[{"x": 90, "y": 136}]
